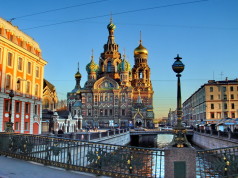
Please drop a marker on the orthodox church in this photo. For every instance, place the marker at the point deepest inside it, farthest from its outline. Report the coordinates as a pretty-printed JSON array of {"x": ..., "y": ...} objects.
[{"x": 114, "y": 94}]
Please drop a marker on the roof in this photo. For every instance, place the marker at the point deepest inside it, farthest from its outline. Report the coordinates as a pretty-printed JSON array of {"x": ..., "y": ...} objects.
[
  {"x": 50, "y": 86},
  {"x": 77, "y": 104}
]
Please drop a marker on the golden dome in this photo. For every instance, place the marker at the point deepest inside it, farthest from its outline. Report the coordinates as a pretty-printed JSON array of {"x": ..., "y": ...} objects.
[{"x": 140, "y": 50}]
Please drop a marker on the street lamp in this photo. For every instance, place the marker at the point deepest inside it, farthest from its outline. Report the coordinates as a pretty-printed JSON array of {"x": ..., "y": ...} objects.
[
  {"x": 9, "y": 123},
  {"x": 180, "y": 139}
]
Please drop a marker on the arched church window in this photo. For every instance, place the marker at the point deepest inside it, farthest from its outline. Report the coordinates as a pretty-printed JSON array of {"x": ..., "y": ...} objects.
[
  {"x": 109, "y": 66},
  {"x": 140, "y": 74}
]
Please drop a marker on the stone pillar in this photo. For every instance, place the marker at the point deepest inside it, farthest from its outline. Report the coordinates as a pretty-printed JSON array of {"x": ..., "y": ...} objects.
[
  {"x": 180, "y": 162},
  {"x": 100, "y": 134}
]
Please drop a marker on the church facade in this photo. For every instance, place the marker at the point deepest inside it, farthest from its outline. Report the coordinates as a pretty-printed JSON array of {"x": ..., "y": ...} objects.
[{"x": 114, "y": 94}]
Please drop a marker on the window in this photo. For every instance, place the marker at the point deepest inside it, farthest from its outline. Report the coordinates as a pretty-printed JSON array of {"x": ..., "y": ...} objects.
[
  {"x": 110, "y": 112},
  {"x": 35, "y": 109},
  {"x": 224, "y": 97},
  {"x": 28, "y": 84},
  {"x": 224, "y": 89},
  {"x": 89, "y": 99},
  {"x": 233, "y": 115},
  {"x": 37, "y": 72},
  {"x": 231, "y": 88},
  {"x": 212, "y": 115},
  {"x": 219, "y": 96},
  {"x": 212, "y": 106},
  {"x": 123, "y": 112},
  {"x": 111, "y": 98},
  {"x": 225, "y": 114},
  {"x": 17, "y": 126},
  {"x": 219, "y": 106},
  {"x": 232, "y": 96},
  {"x": 27, "y": 109},
  {"x": 225, "y": 106},
  {"x": 101, "y": 112},
  {"x": 20, "y": 63},
  {"x": 7, "y": 105},
  {"x": 140, "y": 74},
  {"x": 18, "y": 107},
  {"x": 36, "y": 90},
  {"x": 211, "y": 97},
  {"x": 8, "y": 82},
  {"x": 29, "y": 68},
  {"x": 26, "y": 126},
  {"x": 9, "y": 59},
  {"x": 232, "y": 106},
  {"x": 101, "y": 98},
  {"x": 211, "y": 89},
  {"x": 89, "y": 112},
  {"x": 18, "y": 84},
  {"x": 105, "y": 112},
  {"x": 109, "y": 66}
]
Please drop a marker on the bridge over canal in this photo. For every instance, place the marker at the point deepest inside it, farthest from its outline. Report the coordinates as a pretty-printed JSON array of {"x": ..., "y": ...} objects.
[{"x": 115, "y": 160}]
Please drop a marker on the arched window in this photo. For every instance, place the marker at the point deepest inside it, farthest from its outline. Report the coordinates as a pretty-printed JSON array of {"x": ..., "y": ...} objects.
[
  {"x": 109, "y": 66},
  {"x": 140, "y": 74}
]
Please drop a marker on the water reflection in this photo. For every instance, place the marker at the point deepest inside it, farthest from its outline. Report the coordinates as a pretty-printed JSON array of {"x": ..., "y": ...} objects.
[{"x": 162, "y": 140}]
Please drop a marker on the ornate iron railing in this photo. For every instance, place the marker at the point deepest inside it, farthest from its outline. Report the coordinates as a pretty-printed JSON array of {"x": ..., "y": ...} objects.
[
  {"x": 222, "y": 162},
  {"x": 96, "y": 158}
]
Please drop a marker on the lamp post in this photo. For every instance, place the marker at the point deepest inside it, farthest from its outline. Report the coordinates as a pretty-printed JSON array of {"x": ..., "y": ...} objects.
[
  {"x": 9, "y": 123},
  {"x": 180, "y": 139}
]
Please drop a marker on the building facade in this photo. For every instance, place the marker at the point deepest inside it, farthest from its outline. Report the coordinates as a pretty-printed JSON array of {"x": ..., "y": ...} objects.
[
  {"x": 21, "y": 71},
  {"x": 213, "y": 101},
  {"x": 114, "y": 93}
]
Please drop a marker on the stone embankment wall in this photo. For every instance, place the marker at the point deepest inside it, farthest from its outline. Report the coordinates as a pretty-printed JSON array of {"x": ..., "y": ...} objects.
[
  {"x": 207, "y": 141},
  {"x": 119, "y": 139}
]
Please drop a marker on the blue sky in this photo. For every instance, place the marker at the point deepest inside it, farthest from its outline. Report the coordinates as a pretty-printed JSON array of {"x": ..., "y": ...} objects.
[{"x": 203, "y": 32}]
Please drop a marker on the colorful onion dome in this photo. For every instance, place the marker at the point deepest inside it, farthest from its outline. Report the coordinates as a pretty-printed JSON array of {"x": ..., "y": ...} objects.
[
  {"x": 92, "y": 66},
  {"x": 124, "y": 66},
  {"x": 111, "y": 26}
]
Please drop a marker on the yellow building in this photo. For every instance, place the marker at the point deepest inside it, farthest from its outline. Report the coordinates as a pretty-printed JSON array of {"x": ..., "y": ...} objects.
[
  {"x": 213, "y": 101},
  {"x": 21, "y": 71}
]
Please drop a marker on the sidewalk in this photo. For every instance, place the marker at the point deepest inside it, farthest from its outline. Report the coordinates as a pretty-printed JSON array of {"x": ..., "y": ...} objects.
[{"x": 15, "y": 168}]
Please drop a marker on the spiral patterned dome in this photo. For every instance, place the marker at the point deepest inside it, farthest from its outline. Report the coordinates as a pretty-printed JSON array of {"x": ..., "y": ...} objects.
[
  {"x": 124, "y": 66},
  {"x": 111, "y": 26},
  {"x": 92, "y": 66}
]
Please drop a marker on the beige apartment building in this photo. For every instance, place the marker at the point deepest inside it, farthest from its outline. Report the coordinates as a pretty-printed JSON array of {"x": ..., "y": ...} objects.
[{"x": 213, "y": 101}]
